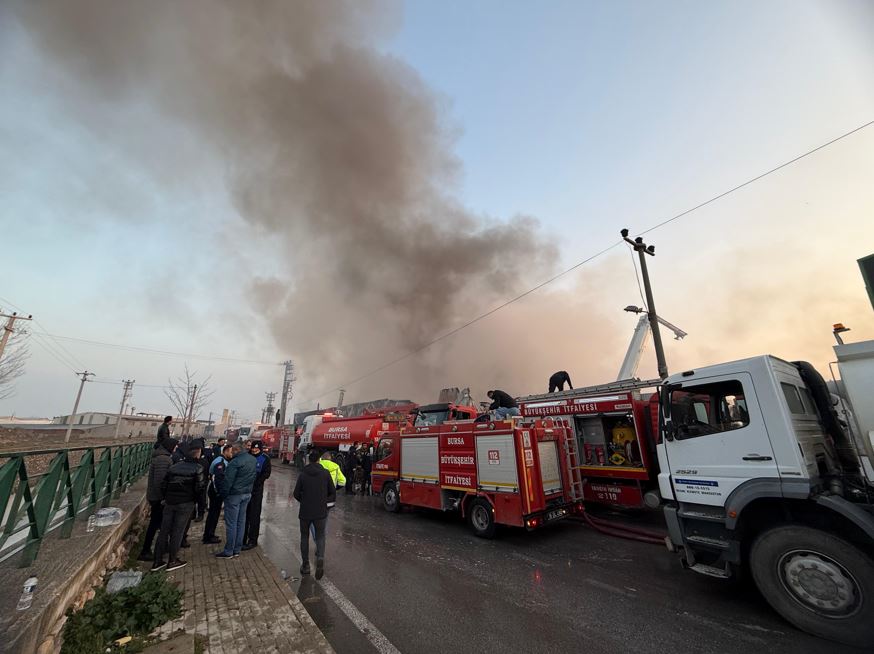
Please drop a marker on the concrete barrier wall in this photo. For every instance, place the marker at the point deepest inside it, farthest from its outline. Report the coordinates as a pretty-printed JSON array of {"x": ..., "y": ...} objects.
[{"x": 68, "y": 570}]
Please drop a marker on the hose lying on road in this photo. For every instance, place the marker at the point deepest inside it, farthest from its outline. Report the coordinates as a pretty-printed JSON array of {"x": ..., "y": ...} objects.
[{"x": 623, "y": 531}]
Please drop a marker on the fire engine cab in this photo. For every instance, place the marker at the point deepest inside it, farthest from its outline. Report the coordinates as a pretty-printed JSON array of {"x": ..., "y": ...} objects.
[{"x": 506, "y": 472}]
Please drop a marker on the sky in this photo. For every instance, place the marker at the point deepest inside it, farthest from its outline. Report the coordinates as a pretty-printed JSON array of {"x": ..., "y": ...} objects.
[{"x": 121, "y": 222}]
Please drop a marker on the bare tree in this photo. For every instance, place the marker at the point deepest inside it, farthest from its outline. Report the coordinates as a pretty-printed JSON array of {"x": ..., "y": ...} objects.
[
  {"x": 14, "y": 357},
  {"x": 189, "y": 395}
]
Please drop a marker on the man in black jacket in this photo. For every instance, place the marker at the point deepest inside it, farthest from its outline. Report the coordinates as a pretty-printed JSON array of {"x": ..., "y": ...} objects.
[
  {"x": 161, "y": 462},
  {"x": 557, "y": 381},
  {"x": 163, "y": 431},
  {"x": 314, "y": 489},
  {"x": 181, "y": 486},
  {"x": 502, "y": 404},
  {"x": 253, "y": 511}
]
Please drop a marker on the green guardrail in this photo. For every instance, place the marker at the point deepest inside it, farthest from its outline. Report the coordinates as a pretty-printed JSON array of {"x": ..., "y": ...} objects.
[{"x": 39, "y": 503}]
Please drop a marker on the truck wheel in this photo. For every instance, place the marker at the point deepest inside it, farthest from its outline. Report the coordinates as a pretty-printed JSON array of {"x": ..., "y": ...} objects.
[
  {"x": 818, "y": 582},
  {"x": 391, "y": 501},
  {"x": 482, "y": 518}
]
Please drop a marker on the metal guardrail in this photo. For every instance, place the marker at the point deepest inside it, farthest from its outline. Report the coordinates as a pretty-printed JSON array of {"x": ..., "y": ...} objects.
[{"x": 32, "y": 505}]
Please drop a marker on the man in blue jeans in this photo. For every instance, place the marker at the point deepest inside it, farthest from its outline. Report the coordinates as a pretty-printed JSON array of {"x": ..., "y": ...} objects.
[{"x": 239, "y": 479}]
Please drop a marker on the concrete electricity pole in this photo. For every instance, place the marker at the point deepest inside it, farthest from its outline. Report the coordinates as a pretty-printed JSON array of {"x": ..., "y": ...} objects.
[
  {"x": 643, "y": 249},
  {"x": 85, "y": 375},
  {"x": 7, "y": 329},
  {"x": 287, "y": 391},
  {"x": 128, "y": 385},
  {"x": 340, "y": 398}
]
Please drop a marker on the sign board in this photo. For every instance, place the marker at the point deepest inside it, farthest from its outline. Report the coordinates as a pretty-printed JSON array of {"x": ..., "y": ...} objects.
[{"x": 494, "y": 457}]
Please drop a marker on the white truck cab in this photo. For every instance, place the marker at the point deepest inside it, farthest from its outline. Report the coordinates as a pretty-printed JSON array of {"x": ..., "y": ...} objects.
[{"x": 764, "y": 470}]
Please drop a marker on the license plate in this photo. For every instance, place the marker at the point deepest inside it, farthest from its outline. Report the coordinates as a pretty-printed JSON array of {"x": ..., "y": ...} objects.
[{"x": 555, "y": 515}]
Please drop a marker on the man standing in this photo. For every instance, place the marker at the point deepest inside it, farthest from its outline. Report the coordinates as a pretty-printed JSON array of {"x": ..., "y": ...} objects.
[
  {"x": 161, "y": 461},
  {"x": 502, "y": 404},
  {"x": 163, "y": 431},
  {"x": 216, "y": 484},
  {"x": 218, "y": 448},
  {"x": 253, "y": 512},
  {"x": 182, "y": 484},
  {"x": 239, "y": 479},
  {"x": 314, "y": 490},
  {"x": 558, "y": 380}
]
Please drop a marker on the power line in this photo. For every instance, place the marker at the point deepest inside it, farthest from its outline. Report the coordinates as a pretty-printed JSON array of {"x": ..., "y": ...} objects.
[
  {"x": 58, "y": 350},
  {"x": 136, "y": 348},
  {"x": 595, "y": 256}
]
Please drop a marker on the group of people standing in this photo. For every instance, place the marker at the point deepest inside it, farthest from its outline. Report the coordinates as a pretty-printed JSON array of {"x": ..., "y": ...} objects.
[{"x": 186, "y": 478}]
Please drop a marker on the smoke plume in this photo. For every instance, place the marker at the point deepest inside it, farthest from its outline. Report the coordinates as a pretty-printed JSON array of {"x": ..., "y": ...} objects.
[{"x": 338, "y": 152}]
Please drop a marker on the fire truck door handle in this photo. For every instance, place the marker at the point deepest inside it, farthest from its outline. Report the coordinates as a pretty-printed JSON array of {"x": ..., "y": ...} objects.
[{"x": 757, "y": 457}]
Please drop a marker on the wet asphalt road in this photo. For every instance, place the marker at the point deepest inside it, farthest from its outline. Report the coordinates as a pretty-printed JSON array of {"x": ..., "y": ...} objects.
[{"x": 427, "y": 585}]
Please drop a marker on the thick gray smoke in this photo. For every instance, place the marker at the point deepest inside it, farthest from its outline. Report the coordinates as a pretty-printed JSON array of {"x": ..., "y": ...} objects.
[{"x": 334, "y": 149}]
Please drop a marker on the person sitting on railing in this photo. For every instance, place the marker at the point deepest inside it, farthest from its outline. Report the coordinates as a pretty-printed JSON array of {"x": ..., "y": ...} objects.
[{"x": 163, "y": 431}]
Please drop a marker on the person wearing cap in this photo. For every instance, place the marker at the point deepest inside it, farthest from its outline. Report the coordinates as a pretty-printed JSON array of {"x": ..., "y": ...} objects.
[
  {"x": 253, "y": 511},
  {"x": 216, "y": 483},
  {"x": 161, "y": 461},
  {"x": 182, "y": 485}
]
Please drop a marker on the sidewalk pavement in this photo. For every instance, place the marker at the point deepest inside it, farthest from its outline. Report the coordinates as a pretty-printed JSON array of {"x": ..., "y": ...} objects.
[{"x": 240, "y": 605}]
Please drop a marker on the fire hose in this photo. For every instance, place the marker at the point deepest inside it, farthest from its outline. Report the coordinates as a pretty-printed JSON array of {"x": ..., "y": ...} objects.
[{"x": 623, "y": 531}]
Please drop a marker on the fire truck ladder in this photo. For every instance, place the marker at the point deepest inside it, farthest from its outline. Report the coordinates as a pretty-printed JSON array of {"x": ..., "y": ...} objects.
[
  {"x": 612, "y": 387},
  {"x": 573, "y": 463}
]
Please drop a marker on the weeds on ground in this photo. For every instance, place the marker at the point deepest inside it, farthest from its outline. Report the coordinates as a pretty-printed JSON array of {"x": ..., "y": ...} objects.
[{"x": 131, "y": 612}]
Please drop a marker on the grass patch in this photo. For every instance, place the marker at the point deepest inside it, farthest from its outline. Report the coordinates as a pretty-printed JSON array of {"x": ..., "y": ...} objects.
[{"x": 132, "y": 612}]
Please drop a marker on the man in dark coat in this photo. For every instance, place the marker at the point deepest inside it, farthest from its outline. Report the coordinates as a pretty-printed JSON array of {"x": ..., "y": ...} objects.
[
  {"x": 253, "y": 511},
  {"x": 314, "y": 490},
  {"x": 216, "y": 486},
  {"x": 161, "y": 462},
  {"x": 163, "y": 431},
  {"x": 236, "y": 492},
  {"x": 502, "y": 404},
  {"x": 182, "y": 484},
  {"x": 558, "y": 380}
]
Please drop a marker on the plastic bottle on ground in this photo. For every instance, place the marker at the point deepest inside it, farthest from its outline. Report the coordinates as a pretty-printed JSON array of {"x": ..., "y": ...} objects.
[{"x": 26, "y": 598}]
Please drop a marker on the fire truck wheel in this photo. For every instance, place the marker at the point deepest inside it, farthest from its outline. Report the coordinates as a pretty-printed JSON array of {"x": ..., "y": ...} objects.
[
  {"x": 390, "y": 498},
  {"x": 817, "y": 581},
  {"x": 482, "y": 518}
]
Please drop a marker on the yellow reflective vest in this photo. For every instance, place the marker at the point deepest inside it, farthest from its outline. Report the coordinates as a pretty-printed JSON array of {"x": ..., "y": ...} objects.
[{"x": 335, "y": 472}]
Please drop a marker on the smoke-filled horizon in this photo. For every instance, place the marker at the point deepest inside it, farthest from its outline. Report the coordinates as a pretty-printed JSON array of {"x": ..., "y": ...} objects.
[
  {"x": 336, "y": 150},
  {"x": 347, "y": 236}
]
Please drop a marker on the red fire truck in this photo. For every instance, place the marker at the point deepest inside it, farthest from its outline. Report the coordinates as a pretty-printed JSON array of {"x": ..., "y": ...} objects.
[
  {"x": 336, "y": 433},
  {"x": 613, "y": 425},
  {"x": 508, "y": 472},
  {"x": 270, "y": 438}
]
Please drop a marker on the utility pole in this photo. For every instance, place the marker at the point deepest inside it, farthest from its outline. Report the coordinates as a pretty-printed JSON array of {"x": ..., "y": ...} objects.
[
  {"x": 643, "y": 249},
  {"x": 267, "y": 411},
  {"x": 85, "y": 376},
  {"x": 340, "y": 399},
  {"x": 287, "y": 390},
  {"x": 7, "y": 329},
  {"x": 128, "y": 385}
]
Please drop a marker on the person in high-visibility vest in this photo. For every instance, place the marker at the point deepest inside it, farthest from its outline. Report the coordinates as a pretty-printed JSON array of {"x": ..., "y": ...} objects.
[
  {"x": 334, "y": 470},
  {"x": 337, "y": 477}
]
